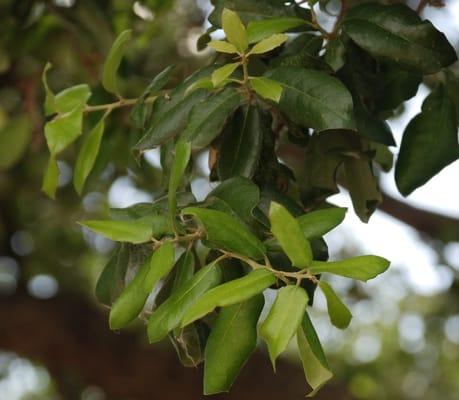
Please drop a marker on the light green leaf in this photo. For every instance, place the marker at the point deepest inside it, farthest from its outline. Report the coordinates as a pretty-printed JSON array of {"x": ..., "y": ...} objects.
[
  {"x": 232, "y": 339},
  {"x": 181, "y": 159},
  {"x": 204, "y": 83},
  {"x": 228, "y": 233},
  {"x": 259, "y": 30},
  {"x": 267, "y": 88},
  {"x": 169, "y": 314},
  {"x": 161, "y": 263},
  {"x": 51, "y": 178},
  {"x": 222, "y": 46},
  {"x": 87, "y": 155},
  {"x": 14, "y": 140},
  {"x": 315, "y": 365},
  {"x": 269, "y": 43},
  {"x": 122, "y": 231},
  {"x": 113, "y": 61},
  {"x": 219, "y": 75},
  {"x": 71, "y": 98},
  {"x": 317, "y": 223},
  {"x": 361, "y": 268},
  {"x": 339, "y": 314},
  {"x": 283, "y": 319},
  {"x": 229, "y": 293},
  {"x": 234, "y": 30},
  {"x": 288, "y": 232},
  {"x": 50, "y": 106}
]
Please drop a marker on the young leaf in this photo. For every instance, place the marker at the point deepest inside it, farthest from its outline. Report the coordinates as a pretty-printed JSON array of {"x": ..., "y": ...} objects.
[
  {"x": 219, "y": 75},
  {"x": 259, "y": 30},
  {"x": 340, "y": 316},
  {"x": 315, "y": 365},
  {"x": 51, "y": 178},
  {"x": 71, "y": 98},
  {"x": 204, "y": 83},
  {"x": 122, "y": 231},
  {"x": 232, "y": 339},
  {"x": 63, "y": 130},
  {"x": 113, "y": 61},
  {"x": 161, "y": 263},
  {"x": 181, "y": 159},
  {"x": 429, "y": 142},
  {"x": 269, "y": 43},
  {"x": 283, "y": 319},
  {"x": 234, "y": 30},
  {"x": 266, "y": 88},
  {"x": 229, "y": 293},
  {"x": 288, "y": 232},
  {"x": 222, "y": 46},
  {"x": 361, "y": 268},
  {"x": 87, "y": 156},
  {"x": 169, "y": 314},
  {"x": 228, "y": 233},
  {"x": 314, "y": 99},
  {"x": 50, "y": 106},
  {"x": 315, "y": 224}
]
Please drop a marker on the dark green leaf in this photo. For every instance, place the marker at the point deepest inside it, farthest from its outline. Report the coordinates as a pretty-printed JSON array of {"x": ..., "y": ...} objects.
[
  {"x": 335, "y": 54},
  {"x": 340, "y": 316},
  {"x": 315, "y": 224},
  {"x": 303, "y": 51},
  {"x": 232, "y": 339},
  {"x": 259, "y": 30}
]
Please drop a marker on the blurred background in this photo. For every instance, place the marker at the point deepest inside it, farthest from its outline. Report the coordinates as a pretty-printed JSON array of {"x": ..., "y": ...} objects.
[{"x": 403, "y": 342}]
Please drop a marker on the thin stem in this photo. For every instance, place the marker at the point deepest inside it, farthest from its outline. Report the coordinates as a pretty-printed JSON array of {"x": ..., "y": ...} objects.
[{"x": 117, "y": 104}]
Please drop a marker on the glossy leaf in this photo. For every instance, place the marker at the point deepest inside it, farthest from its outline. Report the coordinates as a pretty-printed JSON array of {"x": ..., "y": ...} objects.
[
  {"x": 339, "y": 314},
  {"x": 229, "y": 293},
  {"x": 317, "y": 223},
  {"x": 219, "y": 75},
  {"x": 259, "y": 30},
  {"x": 207, "y": 118},
  {"x": 429, "y": 142},
  {"x": 161, "y": 263},
  {"x": 397, "y": 33},
  {"x": 313, "y": 99},
  {"x": 361, "y": 268},
  {"x": 283, "y": 319},
  {"x": 267, "y": 88},
  {"x": 303, "y": 51},
  {"x": 288, "y": 232},
  {"x": 335, "y": 55},
  {"x": 169, "y": 314},
  {"x": 234, "y": 30},
  {"x": 232, "y": 340},
  {"x": 113, "y": 61},
  {"x": 121, "y": 231},
  {"x": 222, "y": 46},
  {"x": 159, "y": 81},
  {"x": 242, "y": 143},
  {"x": 315, "y": 365},
  {"x": 63, "y": 130},
  {"x": 268, "y": 44},
  {"x": 51, "y": 178},
  {"x": 227, "y": 232},
  {"x": 87, "y": 155},
  {"x": 181, "y": 160},
  {"x": 14, "y": 140}
]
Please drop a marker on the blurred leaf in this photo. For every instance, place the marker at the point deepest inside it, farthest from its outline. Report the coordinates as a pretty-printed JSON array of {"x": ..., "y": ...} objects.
[
  {"x": 14, "y": 140},
  {"x": 71, "y": 98},
  {"x": 269, "y": 43},
  {"x": 231, "y": 342},
  {"x": 315, "y": 224},
  {"x": 51, "y": 178},
  {"x": 267, "y": 88},
  {"x": 50, "y": 106},
  {"x": 122, "y": 231},
  {"x": 340, "y": 316},
  {"x": 63, "y": 130},
  {"x": 259, "y": 30},
  {"x": 234, "y": 30}
]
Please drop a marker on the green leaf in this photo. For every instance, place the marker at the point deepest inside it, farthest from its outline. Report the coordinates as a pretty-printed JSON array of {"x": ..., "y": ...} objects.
[
  {"x": 234, "y": 30},
  {"x": 315, "y": 224},
  {"x": 269, "y": 43},
  {"x": 71, "y": 98},
  {"x": 204, "y": 83},
  {"x": 361, "y": 268},
  {"x": 429, "y": 142},
  {"x": 161, "y": 263},
  {"x": 259, "y": 30},
  {"x": 335, "y": 55},
  {"x": 51, "y": 178},
  {"x": 231, "y": 342},
  {"x": 283, "y": 319},
  {"x": 228, "y": 233},
  {"x": 396, "y": 32},
  {"x": 87, "y": 155},
  {"x": 50, "y": 106},
  {"x": 63, "y": 130},
  {"x": 315, "y": 365},
  {"x": 169, "y": 314},
  {"x": 242, "y": 143},
  {"x": 340, "y": 316},
  {"x": 288, "y": 232},
  {"x": 113, "y": 61},
  {"x": 184, "y": 270},
  {"x": 222, "y": 46},
  {"x": 221, "y": 74},
  {"x": 122, "y": 231},
  {"x": 207, "y": 118},
  {"x": 159, "y": 81},
  {"x": 14, "y": 140},
  {"x": 313, "y": 99},
  {"x": 267, "y": 88},
  {"x": 181, "y": 160},
  {"x": 229, "y": 293}
]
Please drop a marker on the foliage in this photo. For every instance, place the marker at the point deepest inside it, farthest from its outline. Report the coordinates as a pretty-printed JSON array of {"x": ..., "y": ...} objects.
[{"x": 261, "y": 229}]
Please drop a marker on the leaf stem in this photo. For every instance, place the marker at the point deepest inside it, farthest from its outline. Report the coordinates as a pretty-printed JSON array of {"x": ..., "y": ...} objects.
[{"x": 117, "y": 104}]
